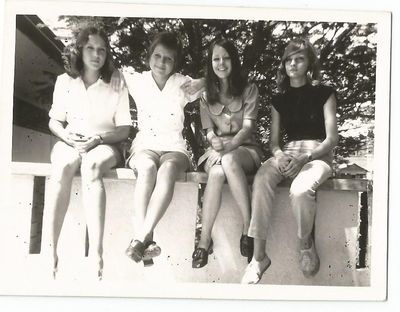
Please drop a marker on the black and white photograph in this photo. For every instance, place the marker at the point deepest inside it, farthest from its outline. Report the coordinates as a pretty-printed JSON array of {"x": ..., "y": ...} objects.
[{"x": 172, "y": 151}]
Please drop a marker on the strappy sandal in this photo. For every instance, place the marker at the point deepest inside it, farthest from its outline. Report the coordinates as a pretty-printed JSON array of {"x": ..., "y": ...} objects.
[
  {"x": 200, "y": 256},
  {"x": 255, "y": 270},
  {"x": 135, "y": 250},
  {"x": 309, "y": 261},
  {"x": 151, "y": 251}
]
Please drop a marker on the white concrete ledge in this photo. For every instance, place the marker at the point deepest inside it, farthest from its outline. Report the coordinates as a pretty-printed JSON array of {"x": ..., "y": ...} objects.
[{"x": 44, "y": 169}]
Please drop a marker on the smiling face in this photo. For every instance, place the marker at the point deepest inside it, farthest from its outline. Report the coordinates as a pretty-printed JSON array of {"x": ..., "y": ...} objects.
[
  {"x": 94, "y": 53},
  {"x": 162, "y": 62},
  {"x": 221, "y": 62},
  {"x": 297, "y": 65}
]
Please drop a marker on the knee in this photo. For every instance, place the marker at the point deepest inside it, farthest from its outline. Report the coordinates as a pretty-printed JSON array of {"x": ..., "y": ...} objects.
[
  {"x": 61, "y": 170},
  {"x": 216, "y": 174},
  {"x": 264, "y": 175},
  {"x": 300, "y": 191},
  {"x": 168, "y": 169},
  {"x": 146, "y": 167},
  {"x": 91, "y": 169},
  {"x": 229, "y": 161}
]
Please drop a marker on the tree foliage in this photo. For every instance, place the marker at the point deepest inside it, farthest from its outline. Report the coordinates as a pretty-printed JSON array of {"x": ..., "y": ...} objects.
[{"x": 347, "y": 53}]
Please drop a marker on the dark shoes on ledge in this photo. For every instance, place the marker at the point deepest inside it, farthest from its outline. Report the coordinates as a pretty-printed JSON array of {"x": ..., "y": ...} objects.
[
  {"x": 139, "y": 251},
  {"x": 247, "y": 247},
  {"x": 200, "y": 256}
]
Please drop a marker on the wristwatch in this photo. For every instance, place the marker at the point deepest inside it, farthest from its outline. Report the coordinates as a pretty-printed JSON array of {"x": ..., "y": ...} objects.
[
  {"x": 100, "y": 139},
  {"x": 309, "y": 156}
]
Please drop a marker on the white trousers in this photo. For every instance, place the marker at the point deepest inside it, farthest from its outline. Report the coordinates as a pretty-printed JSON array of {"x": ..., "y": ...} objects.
[{"x": 302, "y": 190}]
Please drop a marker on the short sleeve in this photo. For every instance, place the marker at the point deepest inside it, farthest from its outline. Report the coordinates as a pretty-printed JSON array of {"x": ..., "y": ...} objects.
[
  {"x": 206, "y": 120},
  {"x": 250, "y": 99},
  {"x": 325, "y": 92},
  {"x": 122, "y": 115},
  {"x": 58, "y": 109},
  {"x": 275, "y": 102}
]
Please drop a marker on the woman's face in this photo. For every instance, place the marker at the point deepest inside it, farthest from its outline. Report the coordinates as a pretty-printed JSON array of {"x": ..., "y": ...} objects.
[
  {"x": 296, "y": 65},
  {"x": 221, "y": 62},
  {"x": 94, "y": 53},
  {"x": 162, "y": 61}
]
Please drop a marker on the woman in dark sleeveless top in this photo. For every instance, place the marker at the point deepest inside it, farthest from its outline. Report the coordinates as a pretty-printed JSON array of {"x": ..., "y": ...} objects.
[{"x": 306, "y": 111}]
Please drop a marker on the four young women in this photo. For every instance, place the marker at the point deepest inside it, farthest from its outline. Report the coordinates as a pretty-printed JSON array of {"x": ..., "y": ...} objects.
[{"x": 90, "y": 118}]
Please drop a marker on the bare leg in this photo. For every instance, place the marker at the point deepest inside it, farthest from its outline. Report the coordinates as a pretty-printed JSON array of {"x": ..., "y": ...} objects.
[
  {"x": 94, "y": 164},
  {"x": 65, "y": 162},
  {"x": 235, "y": 165},
  {"x": 172, "y": 164},
  {"x": 146, "y": 168},
  {"x": 211, "y": 203}
]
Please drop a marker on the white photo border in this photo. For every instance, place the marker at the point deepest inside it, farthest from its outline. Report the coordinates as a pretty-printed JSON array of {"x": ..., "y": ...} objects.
[{"x": 378, "y": 288}]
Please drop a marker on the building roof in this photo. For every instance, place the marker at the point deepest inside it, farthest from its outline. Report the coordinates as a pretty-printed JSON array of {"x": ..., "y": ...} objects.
[
  {"x": 33, "y": 27},
  {"x": 352, "y": 169}
]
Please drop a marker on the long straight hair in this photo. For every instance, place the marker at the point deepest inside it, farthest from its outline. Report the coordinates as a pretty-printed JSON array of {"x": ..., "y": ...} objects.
[
  {"x": 314, "y": 68},
  {"x": 237, "y": 81},
  {"x": 73, "y": 56}
]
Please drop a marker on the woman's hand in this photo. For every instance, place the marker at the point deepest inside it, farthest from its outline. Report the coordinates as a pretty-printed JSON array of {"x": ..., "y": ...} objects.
[
  {"x": 87, "y": 145},
  {"x": 191, "y": 87},
  {"x": 283, "y": 161},
  {"x": 117, "y": 81},
  {"x": 81, "y": 143},
  {"x": 217, "y": 144},
  {"x": 295, "y": 165},
  {"x": 213, "y": 159}
]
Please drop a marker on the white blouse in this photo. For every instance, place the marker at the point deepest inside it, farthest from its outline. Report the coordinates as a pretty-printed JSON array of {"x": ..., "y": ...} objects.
[
  {"x": 90, "y": 111},
  {"x": 160, "y": 112}
]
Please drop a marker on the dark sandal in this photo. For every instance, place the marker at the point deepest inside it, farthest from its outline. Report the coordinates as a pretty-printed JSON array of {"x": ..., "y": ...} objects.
[
  {"x": 246, "y": 246},
  {"x": 200, "y": 256},
  {"x": 151, "y": 250},
  {"x": 135, "y": 250}
]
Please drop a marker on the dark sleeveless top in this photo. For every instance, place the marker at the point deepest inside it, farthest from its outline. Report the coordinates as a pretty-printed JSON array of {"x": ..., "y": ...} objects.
[{"x": 301, "y": 111}]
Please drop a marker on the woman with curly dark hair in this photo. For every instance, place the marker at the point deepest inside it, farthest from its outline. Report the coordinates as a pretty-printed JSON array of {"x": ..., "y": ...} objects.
[{"x": 90, "y": 119}]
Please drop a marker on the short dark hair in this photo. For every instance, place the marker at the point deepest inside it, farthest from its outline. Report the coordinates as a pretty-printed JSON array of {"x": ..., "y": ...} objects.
[
  {"x": 237, "y": 80},
  {"x": 73, "y": 55},
  {"x": 314, "y": 70},
  {"x": 170, "y": 41}
]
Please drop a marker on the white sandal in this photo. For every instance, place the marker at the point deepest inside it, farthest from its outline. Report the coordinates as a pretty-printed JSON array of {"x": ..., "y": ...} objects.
[{"x": 255, "y": 270}]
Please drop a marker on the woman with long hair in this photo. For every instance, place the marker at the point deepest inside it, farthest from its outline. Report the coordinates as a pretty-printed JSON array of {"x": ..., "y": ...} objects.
[
  {"x": 306, "y": 110},
  {"x": 90, "y": 119}
]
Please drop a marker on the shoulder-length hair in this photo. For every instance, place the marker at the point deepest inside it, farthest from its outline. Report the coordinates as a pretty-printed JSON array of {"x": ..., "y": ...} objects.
[
  {"x": 170, "y": 41},
  {"x": 73, "y": 55},
  {"x": 237, "y": 80},
  {"x": 314, "y": 69}
]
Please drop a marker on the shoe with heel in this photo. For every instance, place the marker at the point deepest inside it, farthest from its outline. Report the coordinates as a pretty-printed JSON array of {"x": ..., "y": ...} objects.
[{"x": 200, "y": 256}]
